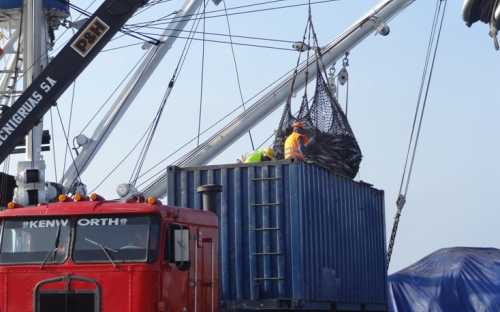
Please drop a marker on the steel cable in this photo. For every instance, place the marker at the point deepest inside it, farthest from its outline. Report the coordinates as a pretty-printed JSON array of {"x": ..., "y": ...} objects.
[{"x": 418, "y": 119}]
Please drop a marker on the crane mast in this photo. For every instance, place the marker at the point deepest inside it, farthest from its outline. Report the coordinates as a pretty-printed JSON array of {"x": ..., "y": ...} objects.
[{"x": 34, "y": 41}]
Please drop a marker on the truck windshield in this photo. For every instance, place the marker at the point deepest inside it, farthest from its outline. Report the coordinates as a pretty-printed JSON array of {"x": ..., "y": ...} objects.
[
  {"x": 116, "y": 239},
  {"x": 35, "y": 240}
]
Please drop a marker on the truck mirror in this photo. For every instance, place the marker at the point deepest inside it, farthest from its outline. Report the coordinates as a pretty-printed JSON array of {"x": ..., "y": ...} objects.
[
  {"x": 181, "y": 245},
  {"x": 177, "y": 246}
]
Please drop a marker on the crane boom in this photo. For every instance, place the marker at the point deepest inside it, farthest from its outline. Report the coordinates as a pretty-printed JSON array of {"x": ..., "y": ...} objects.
[
  {"x": 36, "y": 100},
  {"x": 372, "y": 22}
]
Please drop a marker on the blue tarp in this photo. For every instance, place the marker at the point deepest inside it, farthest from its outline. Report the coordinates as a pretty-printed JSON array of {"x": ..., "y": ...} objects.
[{"x": 452, "y": 279}]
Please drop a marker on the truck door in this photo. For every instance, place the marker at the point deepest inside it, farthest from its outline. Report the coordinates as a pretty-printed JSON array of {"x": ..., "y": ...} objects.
[
  {"x": 206, "y": 286},
  {"x": 178, "y": 285}
]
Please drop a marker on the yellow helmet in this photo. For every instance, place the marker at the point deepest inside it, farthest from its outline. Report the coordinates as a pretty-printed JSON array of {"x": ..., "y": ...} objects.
[{"x": 268, "y": 152}]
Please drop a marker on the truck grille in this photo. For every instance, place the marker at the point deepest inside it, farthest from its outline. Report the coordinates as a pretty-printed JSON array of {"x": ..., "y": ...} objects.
[{"x": 67, "y": 302}]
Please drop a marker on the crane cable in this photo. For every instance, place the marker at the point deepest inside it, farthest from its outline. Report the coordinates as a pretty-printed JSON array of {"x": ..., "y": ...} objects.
[
  {"x": 425, "y": 82},
  {"x": 238, "y": 80},
  {"x": 154, "y": 125},
  {"x": 148, "y": 132},
  {"x": 202, "y": 79}
]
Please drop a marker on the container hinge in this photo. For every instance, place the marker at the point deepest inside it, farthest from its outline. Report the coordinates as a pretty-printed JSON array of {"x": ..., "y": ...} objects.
[
  {"x": 268, "y": 279},
  {"x": 265, "y": 229},
  {"x": 275, "y": 253},
  {"x": 266, "y": 179},
  {"x": 265, "y": 204}
]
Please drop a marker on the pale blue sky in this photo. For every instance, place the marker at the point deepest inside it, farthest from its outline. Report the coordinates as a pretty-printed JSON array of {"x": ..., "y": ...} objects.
[{"x": 453, "y": 197}]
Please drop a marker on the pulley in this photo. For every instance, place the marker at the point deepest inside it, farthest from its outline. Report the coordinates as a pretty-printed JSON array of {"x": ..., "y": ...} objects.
[
  {"x": 343, "y": 75},
  {"x": 301, "y": 46}
]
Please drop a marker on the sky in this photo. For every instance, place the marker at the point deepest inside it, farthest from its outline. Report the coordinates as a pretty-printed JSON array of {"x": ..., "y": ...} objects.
[{"x": 452, "y": 200}]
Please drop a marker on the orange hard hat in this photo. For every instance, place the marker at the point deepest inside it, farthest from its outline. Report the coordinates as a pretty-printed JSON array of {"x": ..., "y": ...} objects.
[{"x": 298, "y": 124}]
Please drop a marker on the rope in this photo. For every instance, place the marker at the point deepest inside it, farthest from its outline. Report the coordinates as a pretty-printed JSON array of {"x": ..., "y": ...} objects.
[
  {"x": 418, "y": 118},
  {"x": 237, "y": 71}
]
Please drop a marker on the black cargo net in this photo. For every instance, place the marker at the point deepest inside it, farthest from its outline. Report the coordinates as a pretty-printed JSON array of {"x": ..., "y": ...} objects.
[{"x": 331, "y": 141}]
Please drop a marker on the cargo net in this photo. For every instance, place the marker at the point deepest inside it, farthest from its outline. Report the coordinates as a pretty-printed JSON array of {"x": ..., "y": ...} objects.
[{"x": 331, "y": 141}]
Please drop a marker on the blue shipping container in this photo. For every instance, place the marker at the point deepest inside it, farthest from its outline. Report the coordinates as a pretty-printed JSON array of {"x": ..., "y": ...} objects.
[
  {"x": 293, "y": 235},
  {"x": 58, "y": 5}
]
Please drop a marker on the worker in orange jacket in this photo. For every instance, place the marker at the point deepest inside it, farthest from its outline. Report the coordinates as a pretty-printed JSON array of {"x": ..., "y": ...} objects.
[{"x": 295, "y": 143}]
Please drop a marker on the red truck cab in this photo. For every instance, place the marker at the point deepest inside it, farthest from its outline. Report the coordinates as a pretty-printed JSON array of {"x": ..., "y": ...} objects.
[{"x": 107, "y": 256}]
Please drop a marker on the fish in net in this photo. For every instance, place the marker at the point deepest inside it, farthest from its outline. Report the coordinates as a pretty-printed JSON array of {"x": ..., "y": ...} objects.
[{"x": 332, "y": 143}]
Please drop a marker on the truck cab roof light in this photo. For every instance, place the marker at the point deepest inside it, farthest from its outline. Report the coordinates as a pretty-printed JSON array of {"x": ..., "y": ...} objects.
[
  {"x": 63, "y": 198},
  {"x": 79, "y": 197},
  {"x": 95, "y": 197},
  {"x": 152, "y": 200},
  {"x": 12, "y": 205}
]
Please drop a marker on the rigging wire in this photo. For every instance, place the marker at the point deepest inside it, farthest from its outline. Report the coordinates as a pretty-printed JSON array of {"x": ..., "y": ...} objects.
[
  {"x": 98, "y": 111},
  {"x": 195, "y": 17},
  {"x": 227, "y": 115},
  {"x": 187, "y": 46},
  {"x": 426, "y": 79},
  {"x": 52, "y": 132},
  {"x": 69, "y": 123},
  {"x": 226, "y": 35},
  {"x": 151, "y": 133},
  {"x": 202, "y": 82},
  {"x": 177, "y": 71},
  {"x": 211, "y": 41},
  {"x": 84, "y": 12},
  {"x": 73, "y": 91},
  {"x": 136, "y": 28},
  {"x": 246, "y": 6},
  {"x": 54, "y": 158},
  {"x": 130, "y": 33},
  {"x": 149, "y": 5},
  {"x": 240, "y": 12},
  {"x": 238, "y": 80},
  {"x": 67, "y": 144},
  {"x": 108, "y": 175}
]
